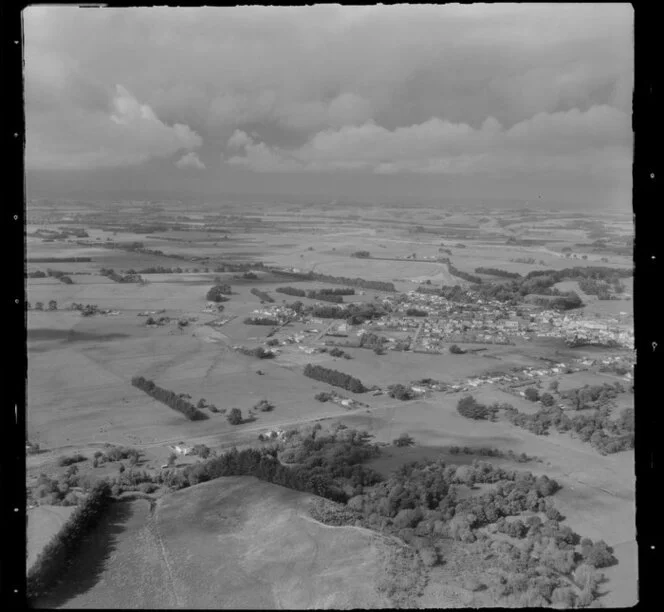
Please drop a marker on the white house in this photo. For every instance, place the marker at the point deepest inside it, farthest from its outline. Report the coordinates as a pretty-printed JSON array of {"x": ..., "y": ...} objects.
[{"x": 181, "y": 449}]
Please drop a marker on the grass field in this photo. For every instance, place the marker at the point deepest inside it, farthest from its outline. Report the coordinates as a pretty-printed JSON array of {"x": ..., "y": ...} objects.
[{"x": 234, "y": 543}]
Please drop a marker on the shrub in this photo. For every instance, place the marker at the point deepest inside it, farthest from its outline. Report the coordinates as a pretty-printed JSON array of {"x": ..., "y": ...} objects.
[
  {"x": 69, "y": 460},
  {"x": 547, "y": 400},
  {"x": 471, "y": 409},
  {"x": 600, "y": 555},
  {"x": 400, "y": 392},
  {"x": 217, "y": 293},
  {"x": 201, "y": 450},
  {"x": 403, "y": 440},
  {"x": 235, "y": 416},
  {"x": 264, "y": 406},
  {"x": 456, "y": 350},
  {"x": 532, "y": 394}
]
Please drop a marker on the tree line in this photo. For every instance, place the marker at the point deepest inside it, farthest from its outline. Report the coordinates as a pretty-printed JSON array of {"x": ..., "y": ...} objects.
[
  {"x": 334, "y": 377},
  {"x": 59, "y": 552},
  {"x": 324, "y": 297},
  {"x": 472, "y": 278},
  {"x": 120, "y": 278},
  {"x": 291, "y": 291},
  {"x": 497, "y": 272},
  {"x": 339, "y": 280},
  {"x": 262, "y": 295},
  {"x": 171, "y": 399}
]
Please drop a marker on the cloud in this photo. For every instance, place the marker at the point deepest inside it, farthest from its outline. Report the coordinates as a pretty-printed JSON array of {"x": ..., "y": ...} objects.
[
  {"x": 571, "y": 141},
  {"x": 239, "y": 140},
  {"x": 190, "y": 160},
  {"x": 424, "y": 90},
  {"x": 130, "y": 134},
  {"x": 324, "y": 66}
]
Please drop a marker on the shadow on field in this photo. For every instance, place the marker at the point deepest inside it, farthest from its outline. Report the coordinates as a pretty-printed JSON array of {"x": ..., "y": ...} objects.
[
  {"x": 70, "y": 335},
  {"x": 91, "y": 557}
]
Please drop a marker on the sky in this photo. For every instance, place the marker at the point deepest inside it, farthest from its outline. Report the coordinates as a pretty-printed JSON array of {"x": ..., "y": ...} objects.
[{"x": 451, "y": 103}]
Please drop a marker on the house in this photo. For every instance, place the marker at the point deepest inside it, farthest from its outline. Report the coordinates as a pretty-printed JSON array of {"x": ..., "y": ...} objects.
[{"x": 181, "y": 449}]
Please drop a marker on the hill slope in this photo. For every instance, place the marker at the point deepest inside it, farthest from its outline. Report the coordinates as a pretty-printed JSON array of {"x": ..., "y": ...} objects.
[{"x": 235, "y": 542}]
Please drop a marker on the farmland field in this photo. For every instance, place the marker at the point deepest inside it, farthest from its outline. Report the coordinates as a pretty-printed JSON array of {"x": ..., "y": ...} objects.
[{"x": 238, "y": 542}]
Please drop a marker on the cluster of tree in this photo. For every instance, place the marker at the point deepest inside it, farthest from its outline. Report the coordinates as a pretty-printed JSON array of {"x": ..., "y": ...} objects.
[
  {"x": 291, "y": 291},
  {"x": 600, "y": 288},
  {"x": 497, "y": 272},
  {"x": 328, "y": 465},
  {"x": 604, "y": 273},
  {"x": 617, "y": 368},
  {"x": 61, "y": 276},
  {"x": 264, "y": 406},
  {"x": 120, "y": 278},
  {"x": 337, "y": 291},
  {"x": 469, "y": 407},
  {"x": 337, "y": 352},
  {"x": 171, "y": 399},
  {"x": 260, "y": 321},
  {"x": 400, "y": 392},
  {"x": 472, "y": 278},
  {"x": 370, "y": 340},
  {"x": 57, "y": 491},
  {"x": 58, "y": 553},
  {"x": 404, "y": 440},
  {"x": 454, "y": 293},
  {"x": 361, "y": 254},
  {"x": 35, "y": 274},
  {"x": 116, "y": 453},
  {"x": 158, "y": 270},
  {"x": 486, "y": 451},
  {"x": 218, "y": 293},
  {"x": 568, "y": 301},
  {"x": 420, "y": 500},
  {"x": 87, "y": 310},
  {"x": 262, "y": 295},
  {"x": 258, "y": 351},
  {"x": 324, "y": 296},
  {"x": 524, "y": 260},
  {"x": 52, "y": 305},
  {"x": 353, "y": 282},
  {"x": 334, "y": 377},
  {"x": 66, "y": 460},
  {"x": 235, "y": 416},
  {"x": 416, "y": 312},
  {"x": 605, "y": 434},
  {"x": 592, "y": 396}
]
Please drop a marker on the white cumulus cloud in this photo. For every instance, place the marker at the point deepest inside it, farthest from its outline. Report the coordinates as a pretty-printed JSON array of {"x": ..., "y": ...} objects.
[
  {"x": 190, "y": 160},
  {"x": 128, "y": 135}
]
